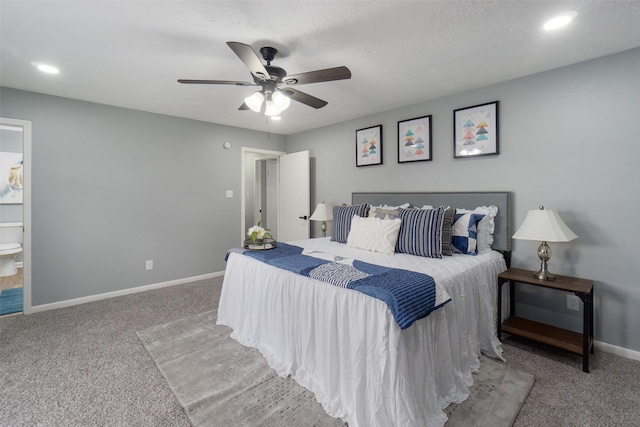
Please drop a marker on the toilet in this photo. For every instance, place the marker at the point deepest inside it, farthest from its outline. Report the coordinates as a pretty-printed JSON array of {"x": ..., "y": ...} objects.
[{"x": 10, "y": 247}]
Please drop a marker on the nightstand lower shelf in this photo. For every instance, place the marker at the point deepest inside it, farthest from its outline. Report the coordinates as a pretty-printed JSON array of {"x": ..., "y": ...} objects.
[{"x": 548, "y": 334}]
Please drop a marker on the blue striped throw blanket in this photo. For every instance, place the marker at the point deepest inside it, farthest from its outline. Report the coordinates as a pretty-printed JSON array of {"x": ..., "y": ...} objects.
[{"x": 409, "y": 295}]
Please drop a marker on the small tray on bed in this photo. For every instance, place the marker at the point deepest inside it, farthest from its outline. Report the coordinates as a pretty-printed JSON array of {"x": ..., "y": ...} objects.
[{"x": 260, "y": 245}]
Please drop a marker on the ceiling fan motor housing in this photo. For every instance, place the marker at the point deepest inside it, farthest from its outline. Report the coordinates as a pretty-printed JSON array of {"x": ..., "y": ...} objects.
[
  {"x": 268, "y": 53},
  {"x": 276, "y": 72}
]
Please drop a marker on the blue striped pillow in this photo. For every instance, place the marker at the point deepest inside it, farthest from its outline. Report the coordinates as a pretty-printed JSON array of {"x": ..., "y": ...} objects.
[
  {"x": 421, "y": 232},
  {"x": 342, "y": 220}
]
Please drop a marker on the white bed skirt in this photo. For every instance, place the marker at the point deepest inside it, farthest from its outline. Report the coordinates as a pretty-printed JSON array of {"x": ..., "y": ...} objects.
[{"x": 348, "y": 350}]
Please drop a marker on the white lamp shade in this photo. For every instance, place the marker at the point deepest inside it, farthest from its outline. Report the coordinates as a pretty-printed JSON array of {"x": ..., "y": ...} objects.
[
  {"x": 254, "y": 101},
  {"x": 323, "y": 212},
  {"x": 544, "y": 225},
  {"x": 281, "y": 100},
  {"x": 271, "y": 109}
]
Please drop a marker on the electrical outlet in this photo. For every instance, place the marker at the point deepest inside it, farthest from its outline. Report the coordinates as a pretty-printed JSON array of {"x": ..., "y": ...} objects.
[
  {"x": 573, "y": 302},
  {"x": 149, "y": 264}
]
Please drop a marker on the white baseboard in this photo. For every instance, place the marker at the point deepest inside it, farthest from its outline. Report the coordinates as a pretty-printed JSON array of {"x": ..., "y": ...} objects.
[
  {"x": 90, "y": 298},
  {"x": 618, "y": 351}
]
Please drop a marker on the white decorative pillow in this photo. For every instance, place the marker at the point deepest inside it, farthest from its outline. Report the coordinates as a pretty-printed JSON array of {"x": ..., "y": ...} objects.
[
  {"x": 403, "y": 206},
  {"x": 384, "y": 213},
  {"x": 342, "y": 220},
  {"x": 374, "y": 234},
  {"x": 381, "y": 211},
  {"x": 486, "y": 227}
]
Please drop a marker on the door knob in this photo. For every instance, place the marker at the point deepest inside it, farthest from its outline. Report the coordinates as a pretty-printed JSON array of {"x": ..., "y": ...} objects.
[{"x": 303, "y": 217}]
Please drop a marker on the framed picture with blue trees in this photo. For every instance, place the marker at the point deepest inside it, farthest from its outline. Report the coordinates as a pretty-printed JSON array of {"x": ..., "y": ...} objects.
[
  {"x": 475, "y": 131},
  {"x": 414, "y": 140},
  {"x": 369, "y": 146}
]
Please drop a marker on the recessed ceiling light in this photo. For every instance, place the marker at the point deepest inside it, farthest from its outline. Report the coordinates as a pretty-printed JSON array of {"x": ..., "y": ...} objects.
[
  {"x": 559, "y": 21},
  {"x": 46, "y": 68}
]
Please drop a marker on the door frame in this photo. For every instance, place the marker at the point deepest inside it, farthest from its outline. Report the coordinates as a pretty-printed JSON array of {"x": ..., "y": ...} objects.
[
  {"x": 264, "y": 154},
  {"x": 26, "y": 208}
]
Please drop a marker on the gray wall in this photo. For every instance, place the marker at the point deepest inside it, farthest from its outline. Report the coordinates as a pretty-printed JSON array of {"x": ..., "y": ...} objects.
[
  {"x": 567, "y": 141},
  {"x": 113, "y": 187}
]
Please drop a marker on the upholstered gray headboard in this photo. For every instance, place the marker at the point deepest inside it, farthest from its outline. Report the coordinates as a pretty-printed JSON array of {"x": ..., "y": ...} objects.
[{"x": 465, "y": 200}]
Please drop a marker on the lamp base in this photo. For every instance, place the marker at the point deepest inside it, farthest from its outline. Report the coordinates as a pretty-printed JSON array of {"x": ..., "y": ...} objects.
[
  {"x": 544, "y": 253},
  {"x": 323, "y": 227},
  {"x": 544, "y": 275}
]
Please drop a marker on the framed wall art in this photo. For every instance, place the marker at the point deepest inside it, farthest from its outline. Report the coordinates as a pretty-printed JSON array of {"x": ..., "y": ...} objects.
[
  {"x": 414, "y": 140},
  {"x": 369, "y": 146},
  {"x": 475, "y": 131}
]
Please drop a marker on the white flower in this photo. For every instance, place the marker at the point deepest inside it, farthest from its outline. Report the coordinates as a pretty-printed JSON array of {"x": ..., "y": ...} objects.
[{"x": 259, "y": 232}]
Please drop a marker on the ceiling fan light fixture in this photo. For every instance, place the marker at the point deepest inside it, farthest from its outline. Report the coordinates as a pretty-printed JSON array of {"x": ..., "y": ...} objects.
[
  {"x": 255, "y": 101},
  {"x": 272, "y": 79},
  {"x": 281, "y": 100},
  {"x": 272, "y": 109}
]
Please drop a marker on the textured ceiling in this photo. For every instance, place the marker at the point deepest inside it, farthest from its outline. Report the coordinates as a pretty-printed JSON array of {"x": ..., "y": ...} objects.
[{"x": 130, "y": 53}]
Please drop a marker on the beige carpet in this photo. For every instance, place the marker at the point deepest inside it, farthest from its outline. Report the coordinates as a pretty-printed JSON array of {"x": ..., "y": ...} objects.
[{"x": 220, "y": 382}]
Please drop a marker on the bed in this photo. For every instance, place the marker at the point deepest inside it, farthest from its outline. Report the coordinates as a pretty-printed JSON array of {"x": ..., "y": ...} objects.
[{"x": 347, "y": 346}]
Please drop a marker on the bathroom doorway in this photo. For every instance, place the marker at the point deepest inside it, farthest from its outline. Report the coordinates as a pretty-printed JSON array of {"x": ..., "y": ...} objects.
[{"x": 15, "y": 216}]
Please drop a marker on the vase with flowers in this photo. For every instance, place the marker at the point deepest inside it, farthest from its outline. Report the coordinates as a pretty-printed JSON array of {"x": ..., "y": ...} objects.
[{"x": 260, "y": 238}]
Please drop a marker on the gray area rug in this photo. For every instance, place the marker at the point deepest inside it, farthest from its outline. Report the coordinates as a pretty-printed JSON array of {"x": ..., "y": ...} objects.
[
  {"x": 497, "y": 395},
  {"x": 219, "y": 382}
]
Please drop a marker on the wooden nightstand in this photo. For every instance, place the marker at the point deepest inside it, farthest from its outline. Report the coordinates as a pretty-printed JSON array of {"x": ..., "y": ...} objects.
[{"x": 568, "y": 340}]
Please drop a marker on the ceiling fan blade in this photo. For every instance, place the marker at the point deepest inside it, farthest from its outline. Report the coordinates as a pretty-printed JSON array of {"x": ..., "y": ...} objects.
[
  {"x": 250, "y": 59},
  {"x": 244, "y": 106},
  {"x": 305, "y": 98},
  {"x": 326, "y": 75},
  {"x": 216, "y": 82}
]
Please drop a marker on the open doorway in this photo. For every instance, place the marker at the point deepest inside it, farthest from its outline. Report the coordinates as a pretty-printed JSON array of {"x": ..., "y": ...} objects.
[
  {"x": 262, "y": 196},
  {"x": 15, "y": 216},
  {"x": 276, "y": 191},
  {"x": 259, "y": 189},
  {"x": 265, "y": 190}
]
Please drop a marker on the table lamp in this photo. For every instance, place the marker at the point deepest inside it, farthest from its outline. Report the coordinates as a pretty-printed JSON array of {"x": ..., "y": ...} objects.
[
  {"x": 324, "y": 213},
  {"x": 544, "y": 225}
]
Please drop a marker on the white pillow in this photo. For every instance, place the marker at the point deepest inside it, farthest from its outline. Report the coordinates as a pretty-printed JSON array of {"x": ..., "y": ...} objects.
[
  {"x": 486, "y": 226},
  {"x": 387, "y": 207},
  {"x": 374, "y": 234},
  {"x": 433, "y": 207}
]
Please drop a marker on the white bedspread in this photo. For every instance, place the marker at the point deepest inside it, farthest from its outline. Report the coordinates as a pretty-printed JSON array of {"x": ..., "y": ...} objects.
[{"x": 346, "y": 347}]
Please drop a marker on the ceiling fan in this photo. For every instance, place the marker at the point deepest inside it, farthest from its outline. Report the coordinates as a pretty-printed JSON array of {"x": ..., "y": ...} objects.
[{"x": 275, "y": 92}]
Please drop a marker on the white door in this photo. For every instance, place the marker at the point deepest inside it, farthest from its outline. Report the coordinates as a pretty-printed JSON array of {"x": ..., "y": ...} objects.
[{"x": 294, "y": 196}]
